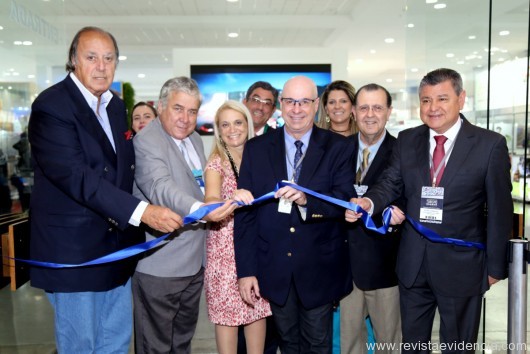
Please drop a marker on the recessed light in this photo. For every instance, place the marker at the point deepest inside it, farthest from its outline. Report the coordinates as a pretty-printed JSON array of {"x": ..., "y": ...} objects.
[
  {"x": 47, "y": 81},
  {"x": 389, "y": 40},
  {"x": 472, "y": 37},
  {"x": 410, "y": 25},
  {"x": 233, "y": 34},
  {"x": 27, "y": 43},
  {"x": 17, "y": 42},
  {"x": 141, "y": 76},
  {"x": 232, "y": 0},
  {"x": 15, "y": 74},
  {"x": 450, "y": 55},
  {"x": 388, "y": 80},
  {"x": 504, "y": 33},
  {"x": 372, "y": 51},
  {"x": 430, "y": 1},
  {"x": 9, "y": 87},
  {"x": 1, "y": 28},
  {"x": 31, "y": 76},
  {"x": 414, "y": 70},
  {"x": 460, "y": 62},
  {"x": 440, "y": 6},
  {"x": 122, "y": 57}
]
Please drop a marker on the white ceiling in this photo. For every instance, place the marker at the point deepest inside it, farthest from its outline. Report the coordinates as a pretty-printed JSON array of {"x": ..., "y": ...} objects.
[{"x": 147, "y": 31}]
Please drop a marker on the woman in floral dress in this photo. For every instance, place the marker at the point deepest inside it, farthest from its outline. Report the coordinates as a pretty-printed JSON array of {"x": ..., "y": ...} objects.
[{"x": 232, "y": 128}]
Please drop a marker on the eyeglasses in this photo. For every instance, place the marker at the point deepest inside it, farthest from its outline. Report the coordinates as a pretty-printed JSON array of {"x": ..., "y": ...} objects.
[
  {"x": 257, "y": 100},
  {"x": 375, "y": 108},
  {"x": 303, "y": 102}
]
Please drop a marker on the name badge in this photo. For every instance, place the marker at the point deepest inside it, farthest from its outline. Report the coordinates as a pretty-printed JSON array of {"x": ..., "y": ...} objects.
[
  {"x": 198, "y": 178},
  {"x": 285, "y": 206},
  {"x": 431, "y": 207},
  {"x": 360, "y": 189}
]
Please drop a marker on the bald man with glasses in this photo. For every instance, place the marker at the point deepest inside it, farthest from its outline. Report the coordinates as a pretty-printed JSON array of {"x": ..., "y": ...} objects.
[{"x": 292, "y": 250}]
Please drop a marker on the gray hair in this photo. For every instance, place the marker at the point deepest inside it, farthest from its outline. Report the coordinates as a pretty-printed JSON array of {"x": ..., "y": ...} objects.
[{"x": 179, "y": 84}]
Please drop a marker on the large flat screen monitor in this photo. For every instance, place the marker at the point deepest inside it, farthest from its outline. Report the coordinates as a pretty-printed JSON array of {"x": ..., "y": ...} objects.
[{"x": 219, "y": 83}]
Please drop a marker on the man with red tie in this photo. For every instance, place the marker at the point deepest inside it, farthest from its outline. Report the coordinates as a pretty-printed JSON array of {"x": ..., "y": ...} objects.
[{"x": 455, "y": 180}]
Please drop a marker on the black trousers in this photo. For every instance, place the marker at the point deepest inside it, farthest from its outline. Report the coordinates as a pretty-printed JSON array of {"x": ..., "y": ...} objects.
[
  {"x": 459, "y": 318},
  {"x": 303, "y": 330}
]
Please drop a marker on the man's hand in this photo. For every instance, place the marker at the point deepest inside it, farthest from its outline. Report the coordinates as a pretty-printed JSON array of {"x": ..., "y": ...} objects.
[
  {"x": 249, "y": 289},
  {"x": 352, "y": 216},
  {"x": 291, "y": 194},
  {"x": 222, "y": 212},
  {"x": 398, "y": 216},
  {"x": 161, "y": 218}
]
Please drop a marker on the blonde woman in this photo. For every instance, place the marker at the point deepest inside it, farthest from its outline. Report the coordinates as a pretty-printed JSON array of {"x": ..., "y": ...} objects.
[{"x": 232, "y": 128}]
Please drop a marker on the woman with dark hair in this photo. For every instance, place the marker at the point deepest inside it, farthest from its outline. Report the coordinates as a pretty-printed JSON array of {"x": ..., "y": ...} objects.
[
  {"x": 142, "y": 114},
  {"x": 335, "y": 111}
]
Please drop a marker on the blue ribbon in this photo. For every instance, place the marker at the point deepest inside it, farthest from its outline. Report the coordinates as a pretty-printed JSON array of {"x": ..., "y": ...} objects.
[{"x": 206, "y": 209}]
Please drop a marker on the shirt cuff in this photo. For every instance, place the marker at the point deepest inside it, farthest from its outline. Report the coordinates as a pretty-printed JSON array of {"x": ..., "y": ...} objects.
[
  {"x": 136, "y": 217},
  {"x": 194, "y": 208}
]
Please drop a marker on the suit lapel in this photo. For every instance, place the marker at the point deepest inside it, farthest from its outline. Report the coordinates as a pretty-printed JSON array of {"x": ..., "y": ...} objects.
[
  {"x": 314, "y": 154},
  {"x": 463, "y": 144},
  {"x": 421, "y": 152},
  {"x": 377, "y": 163},
  {"x": 277, "y": 156},
  {"x": 88, "y": 119}
]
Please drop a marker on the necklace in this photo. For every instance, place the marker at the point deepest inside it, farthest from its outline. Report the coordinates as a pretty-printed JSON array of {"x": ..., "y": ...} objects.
[{"x": 339, "y": 131}]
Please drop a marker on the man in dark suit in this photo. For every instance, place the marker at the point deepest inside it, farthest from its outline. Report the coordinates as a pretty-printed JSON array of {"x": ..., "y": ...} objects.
[
  {"x": 459, "y": 188},
  {"x": 372, "y": 256},
  {"x": 81, "y": 206},
  {"x": 293, "y": 252}
]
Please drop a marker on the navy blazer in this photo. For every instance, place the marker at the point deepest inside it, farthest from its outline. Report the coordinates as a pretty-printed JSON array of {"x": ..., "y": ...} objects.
[
  {"x": 81, "y": 201},
  {"x": 477, "y": 207},
  {"x": 280, "y": 249},
  {"x": 372, "y": 255}
]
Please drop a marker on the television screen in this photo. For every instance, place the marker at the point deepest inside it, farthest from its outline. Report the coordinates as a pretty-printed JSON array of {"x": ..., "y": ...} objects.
[{"x": 219, "y": 83}]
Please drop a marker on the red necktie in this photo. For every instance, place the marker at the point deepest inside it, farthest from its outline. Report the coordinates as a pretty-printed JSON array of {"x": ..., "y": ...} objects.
[{"x": 437, "y": 157}]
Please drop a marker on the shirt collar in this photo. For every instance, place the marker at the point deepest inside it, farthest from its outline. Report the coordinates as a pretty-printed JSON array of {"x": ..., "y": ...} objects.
[
  {"x": 289, "y": 140},
  {"x": 374, "y": 147},
  {"x": 451, "y": 133},
  {"x": 89, "y": 97}
]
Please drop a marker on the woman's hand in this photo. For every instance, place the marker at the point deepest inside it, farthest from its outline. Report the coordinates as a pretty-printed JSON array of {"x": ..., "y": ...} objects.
[{"x": 243, "y": 196}]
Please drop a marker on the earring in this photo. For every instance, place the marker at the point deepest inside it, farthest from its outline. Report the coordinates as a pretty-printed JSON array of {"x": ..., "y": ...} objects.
[{"x": 327, "y": 119}]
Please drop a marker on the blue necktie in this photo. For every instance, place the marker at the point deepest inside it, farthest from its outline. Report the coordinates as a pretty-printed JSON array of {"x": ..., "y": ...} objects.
[{"x": 297, "y": 157}]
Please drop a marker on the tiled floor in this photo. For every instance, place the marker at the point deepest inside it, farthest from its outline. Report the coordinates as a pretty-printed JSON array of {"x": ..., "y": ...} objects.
[{"x": 26, "y": 323}]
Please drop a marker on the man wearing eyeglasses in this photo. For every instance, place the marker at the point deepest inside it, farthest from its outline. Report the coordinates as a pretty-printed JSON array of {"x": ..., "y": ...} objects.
[
  {"x": 372, "y": 256},
  {"x": 293, "y": 251},
  {"x": 261, "y": 102}
]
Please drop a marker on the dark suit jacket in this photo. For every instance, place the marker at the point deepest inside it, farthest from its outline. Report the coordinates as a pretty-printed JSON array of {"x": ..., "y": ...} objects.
[
  {"x": 81, "y": 201},
  {"x": 476, "y": 177},
  {"x": 372, "y": 255},
  {"x": 281, "y": 248}
]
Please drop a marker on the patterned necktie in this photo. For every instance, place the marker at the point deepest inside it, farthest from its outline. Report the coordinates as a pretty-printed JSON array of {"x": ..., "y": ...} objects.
[
  {"x": 437, "y": 157},
  {"x": 364, "y": 166},
  {"x": 297, "y": 157}
]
